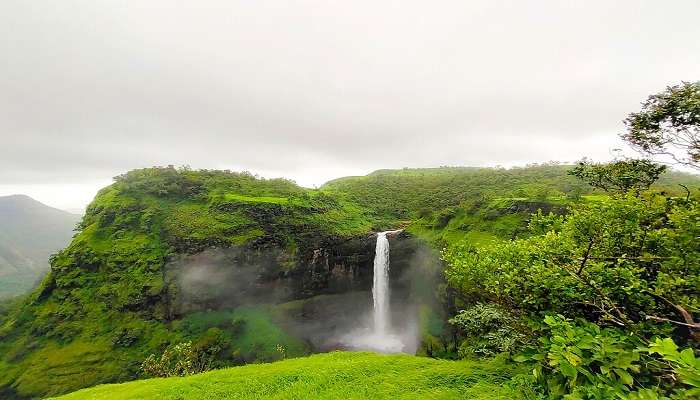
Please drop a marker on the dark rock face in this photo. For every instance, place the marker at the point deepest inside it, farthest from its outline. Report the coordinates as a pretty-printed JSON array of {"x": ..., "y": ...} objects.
[
  {"x": 223, "y": 278},
  {"x": 334, "y": 268}
]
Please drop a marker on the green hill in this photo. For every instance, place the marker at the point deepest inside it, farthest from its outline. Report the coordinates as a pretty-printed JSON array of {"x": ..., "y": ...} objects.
[
  {"x": 327, "y": 376},
  {"x": 405, "y": 194}
]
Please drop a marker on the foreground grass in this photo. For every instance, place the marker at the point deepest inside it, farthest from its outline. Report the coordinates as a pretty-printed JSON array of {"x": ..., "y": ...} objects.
[{"x": 337, "y": 375}]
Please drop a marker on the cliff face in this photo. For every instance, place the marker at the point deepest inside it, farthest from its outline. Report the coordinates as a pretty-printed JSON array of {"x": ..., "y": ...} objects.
[{"x": 219, "y": 278}]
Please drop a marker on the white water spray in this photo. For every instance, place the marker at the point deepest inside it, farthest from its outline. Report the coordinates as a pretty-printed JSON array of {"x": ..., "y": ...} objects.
[
  {"x": 380, "y": 336},
  {"x": 380, "y": 288}
]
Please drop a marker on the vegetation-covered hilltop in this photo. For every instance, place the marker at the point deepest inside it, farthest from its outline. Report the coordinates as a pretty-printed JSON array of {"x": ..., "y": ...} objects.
[
  {"x": 106, "y": 304},
  {"x": 114, "y": 295},
  {"x": 447, "y": 204}
]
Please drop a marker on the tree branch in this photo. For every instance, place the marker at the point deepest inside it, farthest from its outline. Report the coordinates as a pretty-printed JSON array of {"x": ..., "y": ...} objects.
[
  {"x": 687, "y": 191},
  {"x": 585, "y": 257},
  {"x": 660, "y": 319},
  {"x": 687, "y": 317}
]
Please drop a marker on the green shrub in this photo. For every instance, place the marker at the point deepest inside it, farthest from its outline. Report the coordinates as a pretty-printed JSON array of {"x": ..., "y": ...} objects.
[
  {"x": 627, "y": 261},
  {"x": 488, "y": 329},
  {"x": 182, "y": 359},
  {"x": 580, "y": 360},
  {"x": 685, "y": 367}
]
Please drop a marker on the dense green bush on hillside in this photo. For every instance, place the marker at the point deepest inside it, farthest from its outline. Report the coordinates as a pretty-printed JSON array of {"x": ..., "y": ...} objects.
[
  {"x": 482, "y": 221},
  {"x": 624, "y": 261},
  {"x": 403, "y": 194},
  {"x": 109, "y": 285},
  {"x": 185, "y": 183},
  {"x": 580, "y": 360},
  {"x": 488, "y": 330},
  {"x": 629, "y": 264},
  {"x": 178, "y": 360}
]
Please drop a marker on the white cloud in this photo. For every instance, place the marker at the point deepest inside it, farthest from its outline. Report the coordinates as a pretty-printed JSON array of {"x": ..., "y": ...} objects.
[{"x": 309, "y": 89}]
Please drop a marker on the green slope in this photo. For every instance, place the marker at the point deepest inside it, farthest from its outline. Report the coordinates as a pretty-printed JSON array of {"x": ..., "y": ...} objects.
[
  {"x": 409, "y": 193},
  {"x": 335, "y": 375}
]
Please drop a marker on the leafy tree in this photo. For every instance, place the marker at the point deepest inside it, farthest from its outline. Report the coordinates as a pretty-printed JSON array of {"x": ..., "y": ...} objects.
[
  {"x": 669, "y": 125},
  {"x": 630, "y": 262},
  {"x": 619, "y": 176}
]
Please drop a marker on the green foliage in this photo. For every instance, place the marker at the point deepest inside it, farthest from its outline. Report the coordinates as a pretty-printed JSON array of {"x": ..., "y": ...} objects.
[
  {"x": 176, "y": 360},
  {"x": 399, "y": 195},
  {"x": 406, "y": 193},
  {"x": 627, "y": 261},
  {"x": 185, "y": 359},
  {"x": 250, "y": 333},
  {"x": 489, "y": 330},
  {"x": 669, "y": 124},
  {"x": 336, "y": 375},
  {"x": 619, "y": 176},
  {"x": 109, "y": 284},
  {"x": 684, "y": 364},
  {"x": 44, "y": 369},
  {"x": 482, "y": 222},
  {"x": 582, "y": 361},
  {"x": 626, "y": 267}
]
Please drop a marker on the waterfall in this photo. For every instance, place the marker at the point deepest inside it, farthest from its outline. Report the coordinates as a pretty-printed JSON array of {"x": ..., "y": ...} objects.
[
  {"x": 379, "y": 337},
  {"x": 380, "y": 288}
]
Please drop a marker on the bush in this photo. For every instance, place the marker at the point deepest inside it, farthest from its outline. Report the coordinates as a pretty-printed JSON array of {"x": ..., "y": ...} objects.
[
  {"x": 580, "y": 360},
  {"x": 186, "y": 358},
  {"x": 176, "y": 360},
  {"x": 626, "y": 261},
  {"x": 488, "y": 329}
]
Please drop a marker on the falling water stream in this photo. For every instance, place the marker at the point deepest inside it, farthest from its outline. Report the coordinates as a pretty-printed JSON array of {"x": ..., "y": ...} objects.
[
  {"x": 380, "y": 288},
  {"x": 380, "y": 337}
]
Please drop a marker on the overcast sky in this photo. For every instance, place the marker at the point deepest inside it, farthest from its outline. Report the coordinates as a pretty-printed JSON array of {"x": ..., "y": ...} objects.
[{"x": 313, "y": 90}]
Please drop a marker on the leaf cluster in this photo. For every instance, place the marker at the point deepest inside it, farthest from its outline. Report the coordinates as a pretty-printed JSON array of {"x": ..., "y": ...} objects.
[
  {"x": 620, "y": 176},
  {"x": 669, "y": 125},
  {"x": 579, "y": 360},
  {"x": 488, "y": 330}
]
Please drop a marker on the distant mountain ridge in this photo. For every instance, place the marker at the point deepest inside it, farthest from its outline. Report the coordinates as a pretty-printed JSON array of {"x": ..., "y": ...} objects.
[{"x": 30, "y": 232}]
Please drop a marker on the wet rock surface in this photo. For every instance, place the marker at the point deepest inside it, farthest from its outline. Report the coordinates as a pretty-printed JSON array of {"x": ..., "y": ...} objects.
[{"x": 228, "y": 277}]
